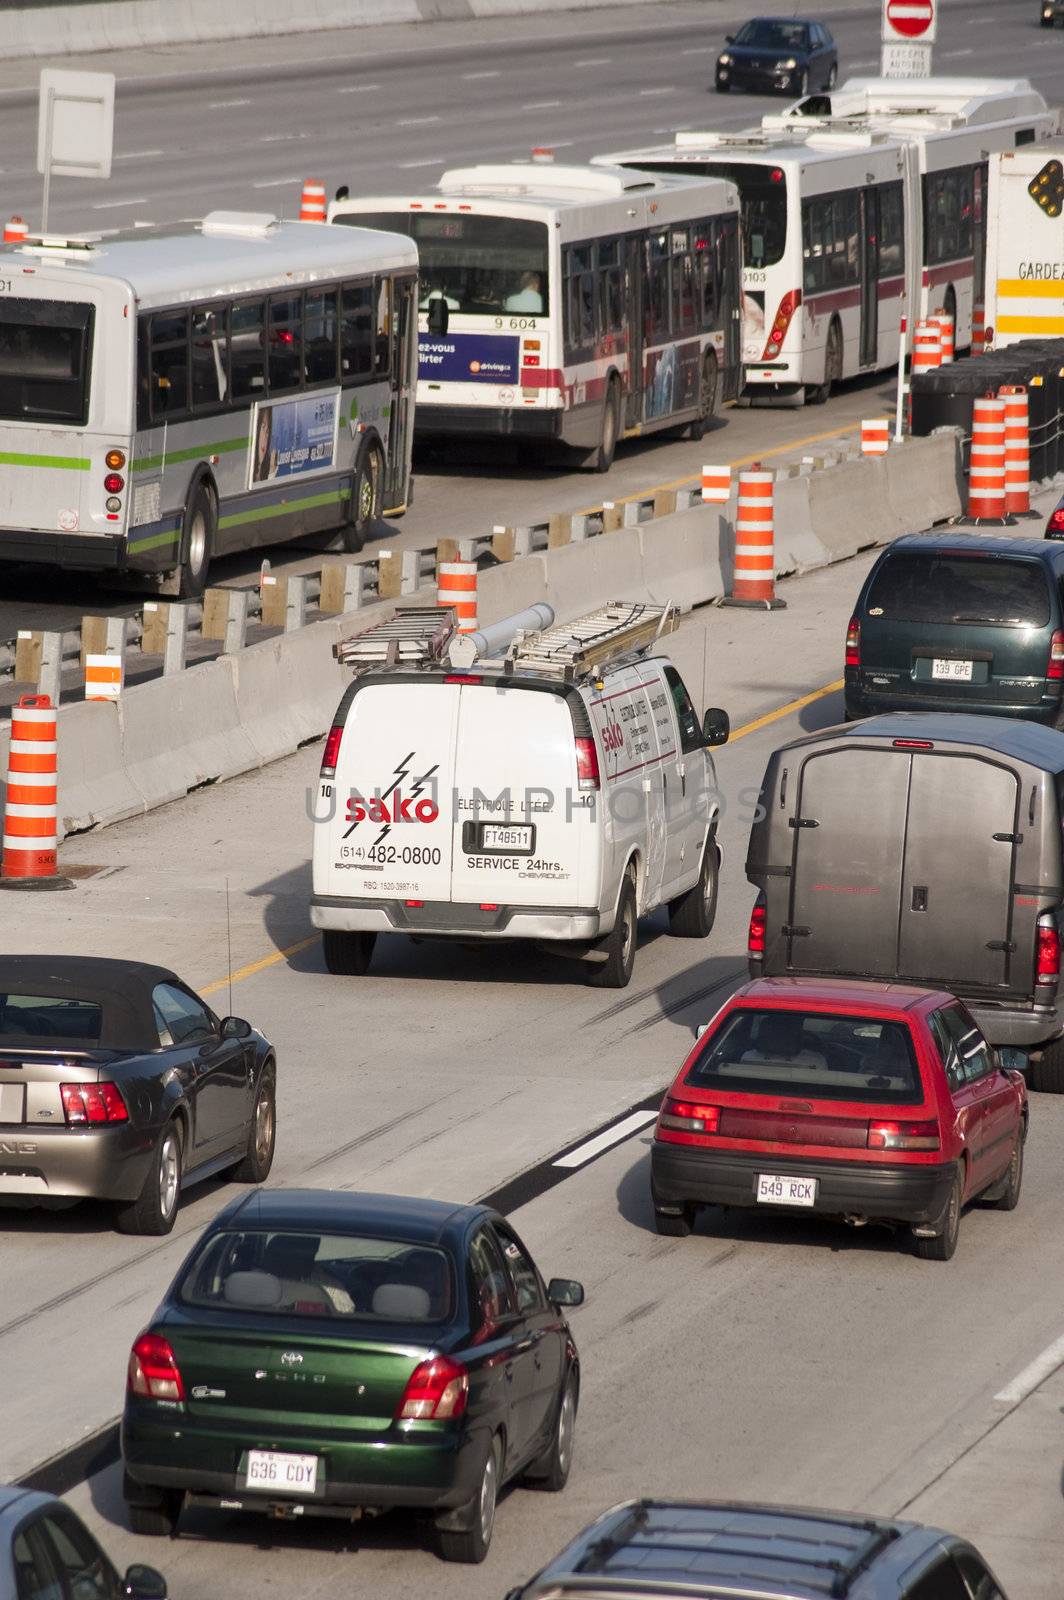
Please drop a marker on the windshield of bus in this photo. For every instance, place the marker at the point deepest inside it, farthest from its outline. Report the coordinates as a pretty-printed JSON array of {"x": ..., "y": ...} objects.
[
  {"x": 481, "y": 265},
  {"x": 45, "y": 358},
  {"x": 766, "y": 34}
]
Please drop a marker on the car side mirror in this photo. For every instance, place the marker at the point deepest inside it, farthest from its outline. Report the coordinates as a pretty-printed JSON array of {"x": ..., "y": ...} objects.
[
  {"x": 716, "y": 726},
  {"x": 1012, "y": 1059},
  {"x": 729, "y": 38},
  {"x": 439, "y": 315},
  {"x": 701, "y": 1030},
  {"x": 236, "y": 1028},
  {"x": 144, "y": 1583},
  {"x": 565, "y": 1292}
]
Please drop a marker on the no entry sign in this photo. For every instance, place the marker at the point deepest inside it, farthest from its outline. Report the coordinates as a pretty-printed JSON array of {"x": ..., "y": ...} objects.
[{"x": 909, "y": 19}]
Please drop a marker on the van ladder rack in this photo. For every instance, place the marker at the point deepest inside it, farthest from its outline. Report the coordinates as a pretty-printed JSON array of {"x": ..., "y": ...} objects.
[
  {"x": 582, "y": 648},
  {"x": 417, "y": 637}
]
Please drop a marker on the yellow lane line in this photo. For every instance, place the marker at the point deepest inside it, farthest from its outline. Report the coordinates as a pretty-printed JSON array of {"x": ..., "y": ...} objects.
[
  {"x": 785, "y": 711},
  {"x": 258, "y": 966},
  {"x": 739, "y": 461}
]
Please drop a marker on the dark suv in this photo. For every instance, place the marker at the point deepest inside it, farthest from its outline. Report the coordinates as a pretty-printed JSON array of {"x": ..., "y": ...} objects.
[
  {"x": 655, "y": 1548},
  {"x": 960, "y": 623}
]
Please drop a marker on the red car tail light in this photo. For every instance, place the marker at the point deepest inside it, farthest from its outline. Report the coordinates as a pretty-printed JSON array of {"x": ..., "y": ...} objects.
[
  {"x": 755, "y": 938},
  {"x": 1048, "y": 955},
  {"x": 1055, "y": 525},
  {"x": 1055, "y": 664},
  {"x": 587, "y": 767},
  {"x": 92, "y": 1102},
  {"x": 903, "y": 1136},
  {"x": 853, "y": 643},
  {"x": 153, "y": 1370},
  {"x": 436, "y": 1390},
  {"x": 331, "y": 753},
  {"x": 686, "y": 1117}
]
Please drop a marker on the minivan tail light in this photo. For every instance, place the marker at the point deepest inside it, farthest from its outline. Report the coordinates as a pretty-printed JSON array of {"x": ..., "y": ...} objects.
[
  {"x": 437, "y": 1390},
  {"x": 92, "y": 1102},
  {"x": 1048, "y": 964},
  {"x": 755, "y": 938},
  {"x": 153, "y": 1370},
  {"x": 853, "y": 643},
  {"x": 688, "y": 1117},
  {"x": 903, "y": 1136},
  {"x": 1055, "y": 665},
  {"x": 331, "y": 753},
  {"x": 587, "y": 767}
]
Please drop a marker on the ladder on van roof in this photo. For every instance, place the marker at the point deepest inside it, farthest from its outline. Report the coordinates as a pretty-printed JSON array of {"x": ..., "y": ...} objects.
[
  {"x": 581, "y": 649},
  {"x": 417, "y": 637}
]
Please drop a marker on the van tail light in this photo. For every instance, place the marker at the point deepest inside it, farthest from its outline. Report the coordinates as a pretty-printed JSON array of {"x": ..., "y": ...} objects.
[
  {"x": 587, "y": 767},
  {"x": 92, "y": 1102},
  {"x": 787, "y": 307},
  {"x": 437, "y": 1390},
  {"x": 689, "y": 1118},
  {"x": 1055, "y": 525},
  {"x": 755, "y": 938},
  {"x": 1055, "y": 664},
  {"x": 853, "y": 643},
  {"x": 153, "y": 1370},
  {"x": 1047, "y": 967},
  {"x": 903, "y": 1136},
  {"x": 331, "y": 753}
]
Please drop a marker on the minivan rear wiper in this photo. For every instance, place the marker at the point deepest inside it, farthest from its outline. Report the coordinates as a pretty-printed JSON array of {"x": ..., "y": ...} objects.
[{"x": 964, "y": 616}]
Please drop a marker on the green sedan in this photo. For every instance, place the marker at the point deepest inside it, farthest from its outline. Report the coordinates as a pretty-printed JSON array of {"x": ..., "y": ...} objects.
[{"x": 348, "y": 1353}]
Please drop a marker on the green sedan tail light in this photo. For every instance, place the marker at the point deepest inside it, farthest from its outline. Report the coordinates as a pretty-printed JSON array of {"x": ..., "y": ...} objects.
[
  {"x": 153, "y": 1369},
  {"x": 436, "y": 1390}
]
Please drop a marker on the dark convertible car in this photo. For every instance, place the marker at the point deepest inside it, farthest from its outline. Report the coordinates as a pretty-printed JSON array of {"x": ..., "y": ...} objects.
[
  {"x": 118, "y": 1083},
  {"x": 334, "y": 1353}
]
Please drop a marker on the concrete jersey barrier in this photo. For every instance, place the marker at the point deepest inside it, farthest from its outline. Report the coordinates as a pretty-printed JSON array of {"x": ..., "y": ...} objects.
[{"x": 239, "y": 712}]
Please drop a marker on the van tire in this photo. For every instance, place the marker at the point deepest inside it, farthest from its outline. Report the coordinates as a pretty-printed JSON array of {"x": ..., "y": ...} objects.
[
  {"x": 1047, "y": 1073},
  {"x": 616, "y": 971},
  {"x": 601, "y": 460},
  {"x": 942, "y": 1245},
  {"x": 347, "y": 955},
  {"x": 692, "y": 915},
  {"x": 198, "y": 529}
]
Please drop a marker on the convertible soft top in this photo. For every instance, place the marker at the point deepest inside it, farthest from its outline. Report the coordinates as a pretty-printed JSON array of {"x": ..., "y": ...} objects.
[{"x": 122, "y": 990}]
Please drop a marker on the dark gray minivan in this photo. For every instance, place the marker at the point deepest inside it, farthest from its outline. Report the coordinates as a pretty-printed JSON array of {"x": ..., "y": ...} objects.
[
  {"x": 926, "y": 849},
  {"x": 960, "y": 623}
]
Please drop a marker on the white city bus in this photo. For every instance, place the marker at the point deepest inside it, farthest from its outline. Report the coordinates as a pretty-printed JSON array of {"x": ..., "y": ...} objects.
[
  {"x": 1025, "y": 245},
  {"x": 857, "y": 206},
  {"x": 569, "y": 304},
  {"x": 170, "y": 398}
]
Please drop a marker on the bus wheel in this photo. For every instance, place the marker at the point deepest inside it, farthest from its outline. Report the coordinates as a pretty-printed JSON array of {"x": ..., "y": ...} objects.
[
  {"x": 817, "y": 394},
  {"x": 601, "y": 460},
  {"x": 197, "y": 542},
  {"x": 707, "y": 397},
  {"x": 365, "y": 501}
]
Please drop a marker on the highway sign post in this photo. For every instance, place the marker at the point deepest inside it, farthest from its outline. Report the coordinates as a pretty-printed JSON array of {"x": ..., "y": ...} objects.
[
  {"x": 908, "y": 34},
  {"x": 75, "y": 127}
]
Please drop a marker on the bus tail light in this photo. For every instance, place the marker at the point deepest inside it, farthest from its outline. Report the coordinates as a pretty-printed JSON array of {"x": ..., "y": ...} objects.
[
  {"x": 114, "y": 483},
  {"x": 787, "y": 307},
  {"x": 115, "y": 459}
]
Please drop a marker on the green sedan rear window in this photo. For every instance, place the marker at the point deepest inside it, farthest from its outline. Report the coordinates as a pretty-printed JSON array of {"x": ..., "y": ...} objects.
[
  {"x": 308, "y": 1274},
  {"x": 913, "y": 586},
  {"x": 49, "y": 1017}
]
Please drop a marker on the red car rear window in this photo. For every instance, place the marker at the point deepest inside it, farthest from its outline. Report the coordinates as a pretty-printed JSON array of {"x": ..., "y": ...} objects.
[{"x": 817, "y": 1055}]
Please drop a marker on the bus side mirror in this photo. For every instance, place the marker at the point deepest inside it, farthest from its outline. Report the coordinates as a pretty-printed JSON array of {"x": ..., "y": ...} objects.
[
  {"x": 439, "y": 315},
  {"x": 716, "y": 726}
]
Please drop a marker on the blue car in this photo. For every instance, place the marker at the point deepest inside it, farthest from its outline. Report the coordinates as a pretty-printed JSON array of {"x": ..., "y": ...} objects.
[
  {"x": 47, "y": 1553},
  {"x": 770, "y": 55}
]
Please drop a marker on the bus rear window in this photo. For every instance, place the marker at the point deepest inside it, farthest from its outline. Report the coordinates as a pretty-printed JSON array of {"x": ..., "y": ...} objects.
[
  {"x": 481, "y": 265},
  {"x": 45, "y": 360}
]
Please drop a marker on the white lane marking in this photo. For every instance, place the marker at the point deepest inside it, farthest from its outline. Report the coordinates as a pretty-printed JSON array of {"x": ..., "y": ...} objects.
[
  {"x": 358, "y": 88},
  {"x": 594, "y": 61},
  {"x": 433, "y": 161},
  {"x": 700, "y": 50},
  {"x": 415, "y": 122},
  {"x": 281, "y": 138},
  {"x": 540, "y": 105},
  {"x": 113, "y": 205},
  {"x": 275, "y": 183},
  {"x": 593, "y": 1147},
  {"x": 960, "y": 52},
  {"x": 668, "y": 89},
  {"x": 852, "y": 65},
  {"x": 227, "y": 105},
  {"x": 138, "y": 155},
  {"x": 1025, "y": 1382},
  {"x": 472, "y": 77}
]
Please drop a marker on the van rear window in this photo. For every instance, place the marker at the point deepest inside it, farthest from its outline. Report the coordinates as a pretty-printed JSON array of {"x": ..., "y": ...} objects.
[
  {"x": 915, "y": 586},
  {"x": 816, "y": 1055}
]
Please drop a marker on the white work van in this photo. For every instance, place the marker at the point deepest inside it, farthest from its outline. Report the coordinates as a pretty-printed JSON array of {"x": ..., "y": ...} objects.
[{"x": 556, "y": 793}]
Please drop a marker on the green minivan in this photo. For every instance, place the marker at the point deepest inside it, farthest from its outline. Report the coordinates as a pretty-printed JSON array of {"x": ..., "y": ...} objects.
[{"x": 952, "y": 622}]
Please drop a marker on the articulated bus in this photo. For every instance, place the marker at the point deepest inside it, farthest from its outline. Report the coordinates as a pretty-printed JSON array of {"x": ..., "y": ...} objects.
[
  {"x": 859, "y": 207},
  {"x": 569, "y": 305},
  {"x": 170, "y": 398}
]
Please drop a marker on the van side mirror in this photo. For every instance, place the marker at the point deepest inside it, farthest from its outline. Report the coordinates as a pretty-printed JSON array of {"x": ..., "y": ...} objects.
[
  {"x": 439, "y": 315},
  {"x": 565, "y": 1292},
  {"x": 716, "y": 726},
  {"x": 235, "y": 1028}
]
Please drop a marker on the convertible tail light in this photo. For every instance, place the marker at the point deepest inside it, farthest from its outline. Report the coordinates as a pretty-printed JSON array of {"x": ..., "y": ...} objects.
[
  {"x": 93, "y": 1102},
  {"x": 689, "y": 1117},
  {"x": 153, "y": 1370},
  {"x": 1048, "y": 963},
  {"x": 437, "y": 1389},
  {"x": 755, "y": 938},
  {"x": 903, "y": 1136}
]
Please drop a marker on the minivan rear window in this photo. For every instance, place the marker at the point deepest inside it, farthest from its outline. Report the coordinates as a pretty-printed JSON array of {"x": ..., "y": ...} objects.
[
  {"x": 819, "y": 1056},
  {"x": 913, "y": 586}
]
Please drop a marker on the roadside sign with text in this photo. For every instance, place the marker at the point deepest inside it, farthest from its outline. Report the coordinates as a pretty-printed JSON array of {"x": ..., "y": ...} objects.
[
  {"x": 909, "y": 19},
  {"x": 912, "y": 60}
]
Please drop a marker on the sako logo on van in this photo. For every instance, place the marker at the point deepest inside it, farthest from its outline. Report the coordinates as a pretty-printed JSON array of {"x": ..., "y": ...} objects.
[{"x": 393, "y": 806}]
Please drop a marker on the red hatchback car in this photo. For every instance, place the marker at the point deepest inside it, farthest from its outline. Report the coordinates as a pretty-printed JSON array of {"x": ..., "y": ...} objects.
[{"x": 866, "y": 1101}]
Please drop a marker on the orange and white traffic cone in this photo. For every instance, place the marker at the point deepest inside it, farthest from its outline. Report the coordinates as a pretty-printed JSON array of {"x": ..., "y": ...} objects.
[
  {"x": 875, "y": 436},
  {"x": 944, "y": 322},
  {"x": 927, "y": 346},
  {"x": 986, "y": 472},
  {"x": 754, "y": 578},
  {"x": 103, "y": 677},
  {"x": 15, "y": 230},
  {"x": 978, "y": 325},
  {"x": 30, "y": 830},
  {"x": 312, "y": 206},
  {"x": 716, "y": 485},
  {"x": 1017, "y": 452},
  {"x": 456, "y": 586}
]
